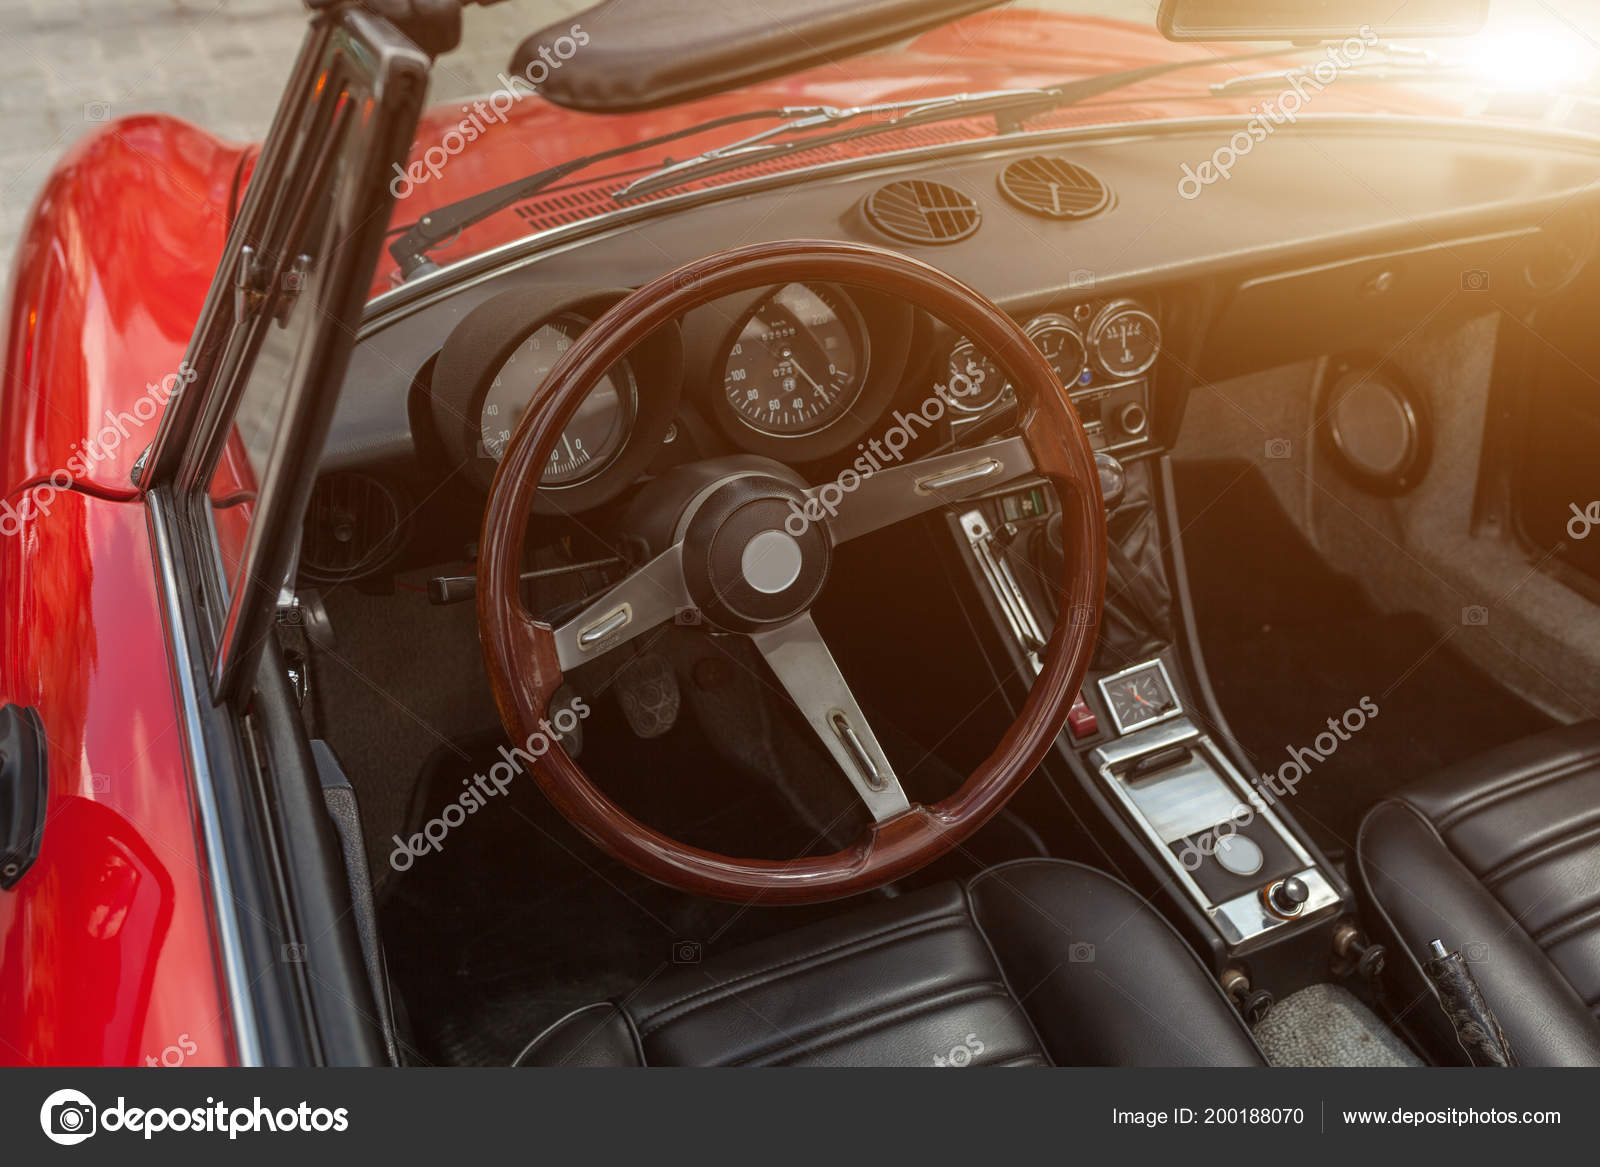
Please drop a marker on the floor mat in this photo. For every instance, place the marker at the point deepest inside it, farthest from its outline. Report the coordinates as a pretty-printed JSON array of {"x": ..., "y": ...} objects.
[
  {"x": 1291, "y": 644},
  {"x": 1325, "y": 1025},
  {"x": 518, "y": 919}
]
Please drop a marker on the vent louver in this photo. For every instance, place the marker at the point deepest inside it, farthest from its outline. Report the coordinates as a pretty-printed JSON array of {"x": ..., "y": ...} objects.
[
  {"x": 354, "y": 525},
  {"x": 1053, "y": 187},
  {"x": 922, "y": 212}
]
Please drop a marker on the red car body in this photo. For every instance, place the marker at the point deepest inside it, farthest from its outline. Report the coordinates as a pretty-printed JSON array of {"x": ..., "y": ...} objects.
[{"x": 107, "y": 952}]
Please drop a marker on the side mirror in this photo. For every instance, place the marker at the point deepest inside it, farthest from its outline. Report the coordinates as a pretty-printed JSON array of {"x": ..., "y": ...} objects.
[{"x": 24, "y": 785}]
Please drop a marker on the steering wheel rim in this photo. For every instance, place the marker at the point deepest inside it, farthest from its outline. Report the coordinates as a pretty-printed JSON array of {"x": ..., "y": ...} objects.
[{"x": 521, "y": 654}]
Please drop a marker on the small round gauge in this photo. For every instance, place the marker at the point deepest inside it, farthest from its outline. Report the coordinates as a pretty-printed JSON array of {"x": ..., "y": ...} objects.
[
  {"x": 1062, "y": 344},
  {"x": 973, "y": 382},
  {"x": 798, "y": 363},
  {"x": 597, "y": 432},
  {"x": 1125, "y": 339}
]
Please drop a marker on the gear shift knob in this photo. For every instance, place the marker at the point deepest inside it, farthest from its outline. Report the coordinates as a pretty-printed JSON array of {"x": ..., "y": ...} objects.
[{"x": 1113, "y": 479}]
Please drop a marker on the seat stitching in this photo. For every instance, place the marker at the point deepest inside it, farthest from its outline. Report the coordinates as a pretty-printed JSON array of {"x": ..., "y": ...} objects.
[
  {"x": 1519, "y": 785},
  {"x": 829, "y": 1035},
  {"x": 1567, "y": 926},
  {"x": 656, "y": 1018},
  {"x": 1518, "y": 864}
]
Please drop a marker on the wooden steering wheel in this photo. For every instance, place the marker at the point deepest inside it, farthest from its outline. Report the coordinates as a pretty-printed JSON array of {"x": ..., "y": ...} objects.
[{"x": 751, "y": 553}]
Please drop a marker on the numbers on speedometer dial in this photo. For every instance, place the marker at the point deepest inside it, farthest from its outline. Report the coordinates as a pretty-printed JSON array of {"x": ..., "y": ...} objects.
[
  {"x": 798, "y": 363},
  {"x": 597, "y": 432}
]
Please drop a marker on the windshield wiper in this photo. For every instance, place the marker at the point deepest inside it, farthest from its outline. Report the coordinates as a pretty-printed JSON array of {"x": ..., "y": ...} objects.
[
  {"x": 1011, "y": 107},
  {"x": 761, "y": 145},
  {"x": 1020, "y": 103}
]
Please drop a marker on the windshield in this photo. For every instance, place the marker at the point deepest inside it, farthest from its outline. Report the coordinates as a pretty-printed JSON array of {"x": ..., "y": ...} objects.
[{"x": 1535, "y": 62}]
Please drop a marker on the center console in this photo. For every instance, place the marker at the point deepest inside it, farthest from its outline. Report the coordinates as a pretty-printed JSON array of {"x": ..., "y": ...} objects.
[{"x": 1144, "y": 739}]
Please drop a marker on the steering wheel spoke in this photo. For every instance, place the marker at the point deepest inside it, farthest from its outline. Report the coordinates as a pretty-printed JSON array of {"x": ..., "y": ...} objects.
[
  {"x": 650, "y": 596},
  {"x": 798, "y": 656},
  {"x": 902, "y": 492}
]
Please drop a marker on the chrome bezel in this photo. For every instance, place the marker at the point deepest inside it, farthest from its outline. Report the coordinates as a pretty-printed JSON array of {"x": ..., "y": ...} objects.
[
  {"x": 1141, "y": 667},
  {"x": 1049, "y": 321},
  {"x": 1103, "y": 320}
]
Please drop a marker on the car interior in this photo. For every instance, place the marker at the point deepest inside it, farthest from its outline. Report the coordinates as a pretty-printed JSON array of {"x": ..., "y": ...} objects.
[{"x": 1327, "y": 793}]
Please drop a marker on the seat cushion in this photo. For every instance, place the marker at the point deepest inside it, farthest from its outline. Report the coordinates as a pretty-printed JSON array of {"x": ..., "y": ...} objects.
[
  {"x": 1499, "y": 858},
  {"x": 1028, "y": 964}
]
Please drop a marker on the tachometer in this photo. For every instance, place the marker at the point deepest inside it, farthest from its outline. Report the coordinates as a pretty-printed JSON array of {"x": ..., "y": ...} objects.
[
  {"x": 798, "y": 362},
  {"x": 597, "y": 432},
  {"x": 499, "y": 358}
]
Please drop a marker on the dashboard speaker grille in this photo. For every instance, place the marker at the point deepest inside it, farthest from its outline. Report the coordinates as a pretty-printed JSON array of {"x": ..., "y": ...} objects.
[
  {"x": 918, "y": 211},
  {"x": 354, "y": 526},
  {"x": 1054, "y": 188}
]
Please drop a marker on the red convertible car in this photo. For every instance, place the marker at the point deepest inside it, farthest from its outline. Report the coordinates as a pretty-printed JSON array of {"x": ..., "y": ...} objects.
[{"x": 828, "y": 532}]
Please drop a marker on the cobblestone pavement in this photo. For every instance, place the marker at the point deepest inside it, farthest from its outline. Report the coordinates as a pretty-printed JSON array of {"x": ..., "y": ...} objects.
[{"x": 73, "y": 63}]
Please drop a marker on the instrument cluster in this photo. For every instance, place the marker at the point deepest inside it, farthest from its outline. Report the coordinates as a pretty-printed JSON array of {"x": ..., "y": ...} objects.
[
  {"x": 1100, "y": 354},
  {"x": 799, "y": 373}
]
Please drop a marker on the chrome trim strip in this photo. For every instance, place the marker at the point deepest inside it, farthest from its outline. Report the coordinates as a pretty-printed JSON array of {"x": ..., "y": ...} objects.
[
  {"x": 194, "y": 697},
  {"x": 1008, "y": 595},
  {"x": 960, "y": 476}
]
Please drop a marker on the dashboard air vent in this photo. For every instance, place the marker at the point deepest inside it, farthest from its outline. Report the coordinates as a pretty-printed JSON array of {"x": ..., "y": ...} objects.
[
  {"x": 354, "y": 526},
  {"x": 922, "y": 212},
  {"x": 1054, "y": 188}
]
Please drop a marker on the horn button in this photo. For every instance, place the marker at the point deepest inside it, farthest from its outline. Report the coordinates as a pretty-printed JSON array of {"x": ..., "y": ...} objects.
[{"x": 751, "y": 559}]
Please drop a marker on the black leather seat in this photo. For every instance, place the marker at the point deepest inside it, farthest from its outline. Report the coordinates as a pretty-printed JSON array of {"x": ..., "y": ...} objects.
[
  {"x": 1499, "y": 858},
  {"x": 1031, "y": 963}
]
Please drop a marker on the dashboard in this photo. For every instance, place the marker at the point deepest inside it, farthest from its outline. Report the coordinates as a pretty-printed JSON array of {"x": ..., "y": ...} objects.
[{"x": 1134, "y": 302}]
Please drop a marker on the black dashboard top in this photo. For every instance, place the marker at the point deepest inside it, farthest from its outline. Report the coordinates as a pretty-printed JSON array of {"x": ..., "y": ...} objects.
[{"x": 1320, "y": 193}]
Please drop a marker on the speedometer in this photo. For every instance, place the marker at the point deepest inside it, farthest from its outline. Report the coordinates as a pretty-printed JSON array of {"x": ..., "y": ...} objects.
[
  {"x": 597, "y": 432},
  {"x": 798, "y": 362}
]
